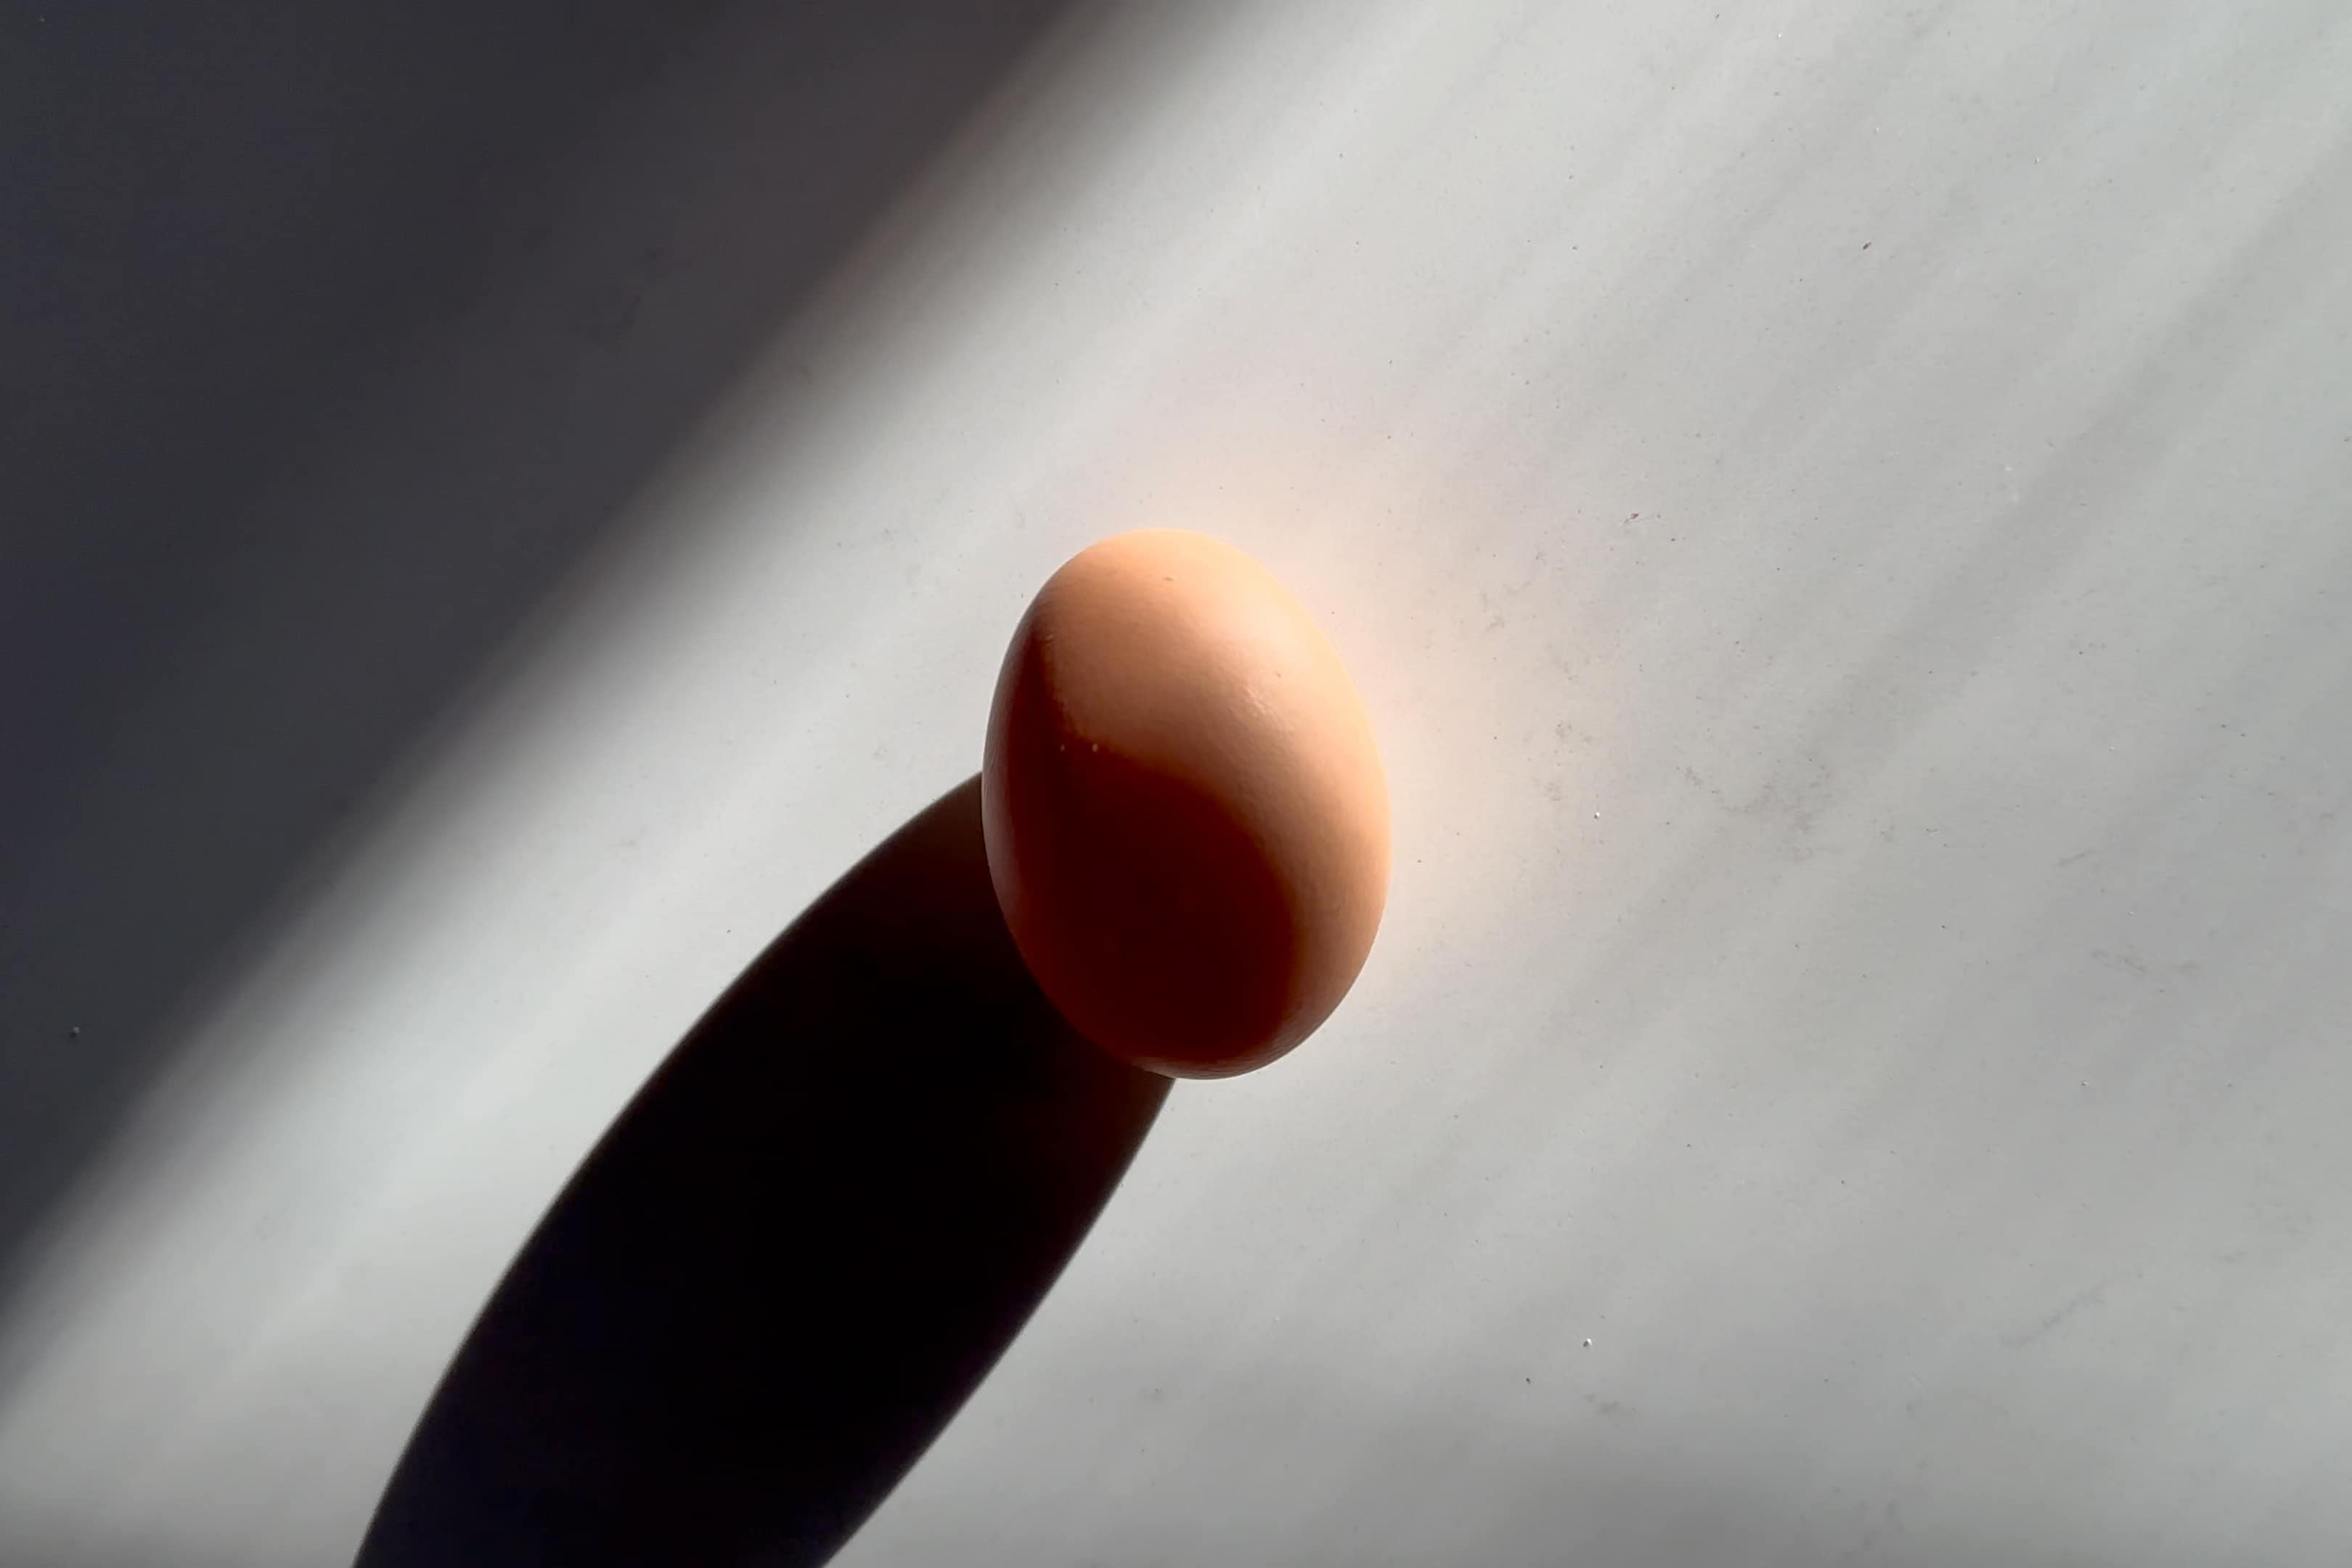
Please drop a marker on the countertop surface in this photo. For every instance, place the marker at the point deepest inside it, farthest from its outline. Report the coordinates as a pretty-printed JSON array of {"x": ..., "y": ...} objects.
[{"x": 1839, "y": 514}]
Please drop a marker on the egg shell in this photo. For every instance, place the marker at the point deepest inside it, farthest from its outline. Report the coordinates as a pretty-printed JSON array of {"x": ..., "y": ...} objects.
[{"x": 1186, "y": 819}]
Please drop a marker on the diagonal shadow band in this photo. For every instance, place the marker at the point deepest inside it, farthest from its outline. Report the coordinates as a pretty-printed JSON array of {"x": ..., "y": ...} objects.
[
  {"x": 796, "y": 1254},
  {"x": 340, "y": 341}
]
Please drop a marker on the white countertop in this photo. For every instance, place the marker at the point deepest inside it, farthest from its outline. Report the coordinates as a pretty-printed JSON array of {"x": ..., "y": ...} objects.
[{"x": 1838, "y": 514}]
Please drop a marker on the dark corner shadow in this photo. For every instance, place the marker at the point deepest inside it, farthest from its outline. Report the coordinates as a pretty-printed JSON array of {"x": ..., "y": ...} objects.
[
  {"x": 796, "y": 1254},
  {"x": 336, "y": 334}
]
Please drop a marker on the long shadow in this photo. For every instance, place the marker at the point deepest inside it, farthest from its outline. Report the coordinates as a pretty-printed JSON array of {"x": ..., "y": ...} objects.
[
  {"x": 335, "y": 333},
  {"x": 796, "y": 1254}
]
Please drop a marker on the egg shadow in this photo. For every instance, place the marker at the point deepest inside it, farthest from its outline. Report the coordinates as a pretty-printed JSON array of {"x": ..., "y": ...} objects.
[{"x": 794, "y": 1255}]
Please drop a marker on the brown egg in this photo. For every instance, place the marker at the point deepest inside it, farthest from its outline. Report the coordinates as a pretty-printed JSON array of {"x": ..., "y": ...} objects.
[{"x": 1186, "y": 819}]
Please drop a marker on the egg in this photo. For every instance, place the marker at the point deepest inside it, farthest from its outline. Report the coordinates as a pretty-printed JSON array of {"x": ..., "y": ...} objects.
[{"x": 1186, "y": 821}]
